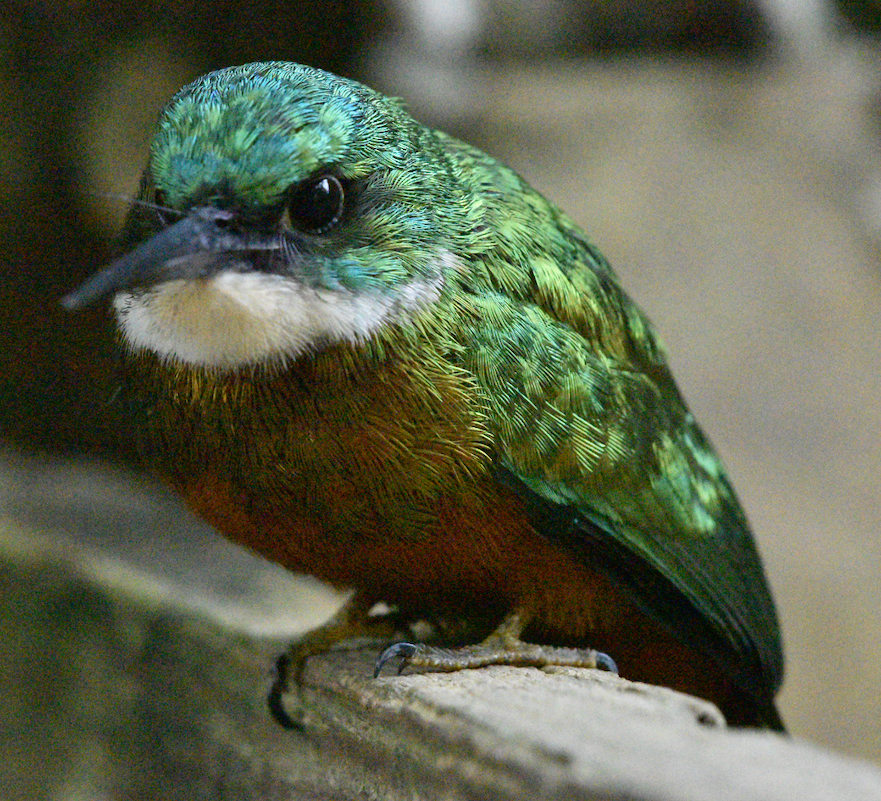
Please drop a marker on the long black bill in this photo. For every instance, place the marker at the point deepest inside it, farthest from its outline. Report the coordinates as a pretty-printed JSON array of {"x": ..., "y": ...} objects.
[{"x": 193, "y": 247}]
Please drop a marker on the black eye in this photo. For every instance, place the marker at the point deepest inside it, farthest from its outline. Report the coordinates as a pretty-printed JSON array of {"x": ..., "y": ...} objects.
[{"x": 316, "y": 205}]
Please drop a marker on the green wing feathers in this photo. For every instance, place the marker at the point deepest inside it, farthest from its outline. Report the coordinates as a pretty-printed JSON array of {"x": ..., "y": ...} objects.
[{"x": 586, "y": 415}]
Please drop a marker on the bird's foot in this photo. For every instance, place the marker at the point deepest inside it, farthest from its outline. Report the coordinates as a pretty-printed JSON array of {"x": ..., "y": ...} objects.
[
  {"x": 518, "y": 654},
  {"x": 502, "y": 647},
  {"x": 351, "y": 621}
]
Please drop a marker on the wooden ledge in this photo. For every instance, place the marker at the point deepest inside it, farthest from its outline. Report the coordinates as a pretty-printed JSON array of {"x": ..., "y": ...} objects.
[{"x": 114, "y": 688}]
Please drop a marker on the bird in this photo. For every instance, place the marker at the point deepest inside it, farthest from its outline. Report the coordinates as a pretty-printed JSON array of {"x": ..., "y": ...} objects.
[{"x": 370, "y": 352}]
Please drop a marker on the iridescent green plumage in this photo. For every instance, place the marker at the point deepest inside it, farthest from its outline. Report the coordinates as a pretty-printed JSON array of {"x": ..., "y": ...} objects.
[
  {"x": 585, "y": 414},
  {"x": 449, "y": 281}
]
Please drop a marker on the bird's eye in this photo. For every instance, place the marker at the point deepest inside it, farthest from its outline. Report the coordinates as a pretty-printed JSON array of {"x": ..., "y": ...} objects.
[{"x": 316, "y": 205}]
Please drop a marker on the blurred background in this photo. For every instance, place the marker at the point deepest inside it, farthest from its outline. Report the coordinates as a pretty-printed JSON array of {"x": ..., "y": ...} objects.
[{"x": 725, "y": 155}]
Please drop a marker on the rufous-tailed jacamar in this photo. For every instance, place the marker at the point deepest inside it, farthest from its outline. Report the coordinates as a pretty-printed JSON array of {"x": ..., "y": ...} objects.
[{"x": 372, "y": 353}]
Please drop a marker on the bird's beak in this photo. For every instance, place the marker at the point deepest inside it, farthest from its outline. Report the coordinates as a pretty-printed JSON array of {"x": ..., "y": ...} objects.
[{"x": 190, "y": 248}]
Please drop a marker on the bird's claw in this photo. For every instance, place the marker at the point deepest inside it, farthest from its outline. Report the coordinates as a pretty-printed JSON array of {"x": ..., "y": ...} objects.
[
  {"x": 274, "y": 699},
  {"x": 404, "y": 651},
  {"x": 605, "y": 662}
]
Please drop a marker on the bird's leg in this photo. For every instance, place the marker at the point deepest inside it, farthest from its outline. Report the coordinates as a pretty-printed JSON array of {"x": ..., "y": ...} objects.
[
  {"x": 502, "y": 647},
  {"x": 352, "y": 620}
]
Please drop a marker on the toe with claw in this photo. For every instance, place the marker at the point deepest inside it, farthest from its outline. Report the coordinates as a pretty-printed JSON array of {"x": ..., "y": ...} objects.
[
  {"x": 502, "y": 647},
  {"x": 404, "y": 651}
]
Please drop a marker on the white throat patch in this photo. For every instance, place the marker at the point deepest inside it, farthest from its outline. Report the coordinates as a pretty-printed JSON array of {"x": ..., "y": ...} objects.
[{"x": 238, "y": 319}]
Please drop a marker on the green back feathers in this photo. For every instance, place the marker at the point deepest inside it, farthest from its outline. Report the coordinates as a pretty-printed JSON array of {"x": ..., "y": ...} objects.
[{"x": 586, "y": 415}]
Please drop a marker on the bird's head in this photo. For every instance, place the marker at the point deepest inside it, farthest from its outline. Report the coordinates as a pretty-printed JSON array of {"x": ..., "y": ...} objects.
[{"x": 282, "y": 210}]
